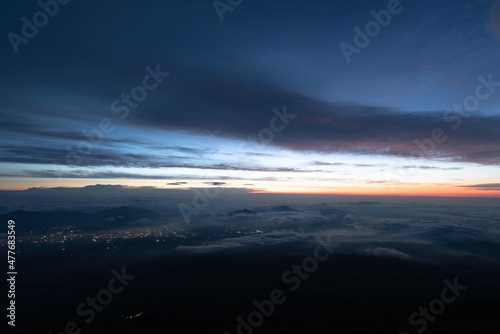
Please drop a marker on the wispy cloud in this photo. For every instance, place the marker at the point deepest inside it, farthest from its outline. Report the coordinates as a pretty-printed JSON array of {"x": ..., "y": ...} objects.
[
  {"x": 215, "y": 183},
  {"x": 320, "y": 163},
  {"x": 389, "y": 252},
  {"x": 267, "y": 239},
  {"x": 176, "y": 183},
  {"x": 484, "y": 186}
]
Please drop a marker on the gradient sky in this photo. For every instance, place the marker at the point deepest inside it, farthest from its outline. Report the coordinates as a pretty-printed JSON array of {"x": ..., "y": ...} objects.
[{"x": 353, "y": 128}]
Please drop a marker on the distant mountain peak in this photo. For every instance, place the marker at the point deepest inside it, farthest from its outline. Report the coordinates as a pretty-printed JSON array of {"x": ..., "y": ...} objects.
[
  {"x": 244, "y": 211},
  {"x": 320, "y": 206},
  {"x": 362, "y": 203},
  {"x": 282, "y": 208}
]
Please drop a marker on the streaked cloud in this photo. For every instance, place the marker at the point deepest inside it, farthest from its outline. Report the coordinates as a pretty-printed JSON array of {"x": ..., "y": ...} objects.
[{"x": 485, "y": 186}]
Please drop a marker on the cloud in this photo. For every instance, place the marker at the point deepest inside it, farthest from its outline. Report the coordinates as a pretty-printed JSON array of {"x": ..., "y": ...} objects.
[
  {"x": 83, "y": 174},
  {"x": 103, "y": 187},
  {"x": 205, "y": 102},
  {"x": 89, "y": 174},
  {"x": 319, "y": 163},
  {"x": 176, "y": 183},
  {"x": 366, "y": 165},
  {"x": 215, "y": 183},
  {"x": 256, "y": 240},
  {"x": 431, "y": 226},
  {"x": 255, "y": 154},
  {"x": 484, "y": 186},
  {"x": 320, "y": 126},
  {"x": 388, "y": 252},
  {"x": 350, "y": 232},
  {"x": 432, "y": 167}
]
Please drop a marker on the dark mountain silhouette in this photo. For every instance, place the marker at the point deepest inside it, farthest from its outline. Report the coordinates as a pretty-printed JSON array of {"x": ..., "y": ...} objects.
[
  {"x": 319, "y": 206},
  {"x": 244, "y": 211},
  {"x": 362, "y": 203},
  {"x": 326, "y": 209},
  {"x": 283, "y": 208}
]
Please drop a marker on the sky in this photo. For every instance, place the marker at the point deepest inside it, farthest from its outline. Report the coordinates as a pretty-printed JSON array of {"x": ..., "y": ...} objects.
[{"x": 352, "y": 97}]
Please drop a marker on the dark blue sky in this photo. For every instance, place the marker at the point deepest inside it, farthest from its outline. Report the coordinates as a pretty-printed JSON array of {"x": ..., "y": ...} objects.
[{"x": 356, "y": 123}]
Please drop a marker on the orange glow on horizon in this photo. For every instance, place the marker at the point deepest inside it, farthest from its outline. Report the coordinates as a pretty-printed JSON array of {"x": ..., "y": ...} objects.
[
  {"x": 431, "y": 190},
  {"x": 395, "y": 191}
]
